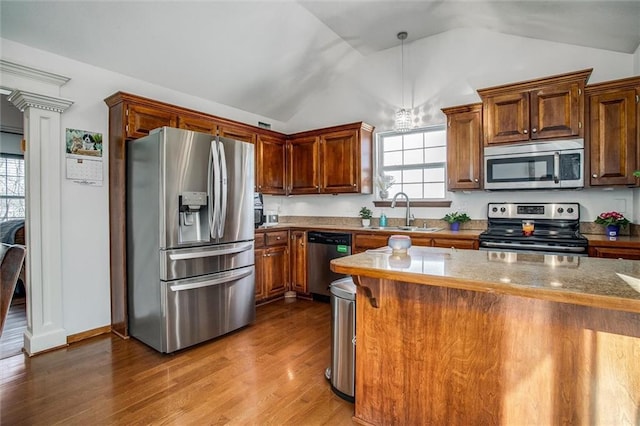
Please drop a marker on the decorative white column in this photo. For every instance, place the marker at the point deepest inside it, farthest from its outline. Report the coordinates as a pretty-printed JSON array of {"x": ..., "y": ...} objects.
[{"x": 42, "y": 131}]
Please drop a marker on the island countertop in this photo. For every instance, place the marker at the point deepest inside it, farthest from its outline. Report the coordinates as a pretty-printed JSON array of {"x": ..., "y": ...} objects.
[{"x": 602, "y": 283}]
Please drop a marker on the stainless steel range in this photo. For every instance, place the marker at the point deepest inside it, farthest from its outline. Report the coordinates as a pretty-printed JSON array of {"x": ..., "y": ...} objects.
[{"x": 544, "y": 228}]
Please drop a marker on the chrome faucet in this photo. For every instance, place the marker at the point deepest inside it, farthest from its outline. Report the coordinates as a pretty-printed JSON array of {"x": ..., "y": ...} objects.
[{"x": 409, "y": 217}]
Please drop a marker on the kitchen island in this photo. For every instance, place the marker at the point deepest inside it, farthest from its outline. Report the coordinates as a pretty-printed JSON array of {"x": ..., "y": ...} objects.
[{"x": 449, "y": 336}]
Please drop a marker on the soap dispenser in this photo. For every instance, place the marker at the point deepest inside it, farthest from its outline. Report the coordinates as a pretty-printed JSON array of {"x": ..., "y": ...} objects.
[{"x": 383, "y": 219}]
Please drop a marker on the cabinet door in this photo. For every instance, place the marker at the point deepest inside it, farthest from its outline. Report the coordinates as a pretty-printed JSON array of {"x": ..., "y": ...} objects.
[
  {"x": 299, "y": 261},
  {"x": 455, "y": 243},
  {"x": 364, "y": 242},
  {"x": 237, "y": 133},
  {"x": 339, "y": 162},
  {"x": 142, "y": 119},
  {"x": 506, "y": 118},
  {"x": 464, "y": 149},
  {"x": 270, "y": 163},
  {"x": 615, "y": 253},
  {"x": 555, "y": 111},
  {"x": 197, "y": 124},
  {"x": 275, "y": 270},
  {"x": 613, "y": 137},
  {"x": 303, "y": 176},
  {"x": 259, "y": 273}
]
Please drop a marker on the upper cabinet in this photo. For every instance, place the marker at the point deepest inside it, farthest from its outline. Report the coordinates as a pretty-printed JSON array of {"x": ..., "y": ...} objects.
[
  {"x": 546, "y": 108},
  {"x": 141, "y": 119},
  {"x": 333, "y": 160},
  {"x": 271, "y": 164},
  {"x": 197, "y": 124},
  {"x": 613, "y": 133},
  {"x": 303, "y": 153},
  {"x": 464, "y": 147}
]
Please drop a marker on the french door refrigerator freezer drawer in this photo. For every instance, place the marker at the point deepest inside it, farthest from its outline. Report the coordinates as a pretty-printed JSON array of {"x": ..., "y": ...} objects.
[{"x": 199, "y": 309}]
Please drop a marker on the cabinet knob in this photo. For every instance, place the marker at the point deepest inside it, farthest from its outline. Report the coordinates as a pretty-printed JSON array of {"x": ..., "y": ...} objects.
[
  {"x": 594, "y": 175},
  {"x": 534, "y": 130},
  {"x": 475, "y": 180},
  {"x": 354, "y": 185},
  {"x": 277, "y": 238},
  {"x": 525, "y": 131}
]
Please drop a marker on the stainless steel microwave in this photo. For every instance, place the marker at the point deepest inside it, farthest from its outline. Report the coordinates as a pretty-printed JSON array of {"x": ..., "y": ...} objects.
[{"x": 540, "y": 165}]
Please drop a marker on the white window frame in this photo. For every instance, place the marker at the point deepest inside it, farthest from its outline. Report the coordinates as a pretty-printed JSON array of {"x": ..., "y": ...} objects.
[
  {"x": 3, "y": 174},
  {"x": 380, "y": 159}
]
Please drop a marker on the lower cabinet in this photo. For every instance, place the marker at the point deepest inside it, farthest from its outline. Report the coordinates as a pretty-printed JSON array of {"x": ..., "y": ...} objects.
[
  {"x": 456, "y": 243},
  {"x": 275, "y": 268},
  {"x": 272, "y": 264},
  {"x": 615, "y": 252},
  {"x": 363, "y": 242},
  {"x": 299, "y": 261}
]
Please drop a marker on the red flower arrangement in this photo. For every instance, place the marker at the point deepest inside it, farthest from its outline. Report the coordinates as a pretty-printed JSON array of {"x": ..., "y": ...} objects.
[{"x": 612, "y": 218}]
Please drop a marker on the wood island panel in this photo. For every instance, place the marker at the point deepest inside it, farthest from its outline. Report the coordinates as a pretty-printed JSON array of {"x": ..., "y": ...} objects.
[
  {"x": 464, "y": 337},
  {"x": 437, "y": 355}
]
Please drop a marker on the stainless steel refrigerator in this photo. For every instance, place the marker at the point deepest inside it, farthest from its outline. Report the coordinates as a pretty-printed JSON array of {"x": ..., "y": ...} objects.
[{"x": 190, "y": 237}]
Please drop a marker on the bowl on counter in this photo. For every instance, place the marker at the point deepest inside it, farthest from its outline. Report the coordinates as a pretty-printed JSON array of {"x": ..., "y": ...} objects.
[{"x": 399, "y": 243}]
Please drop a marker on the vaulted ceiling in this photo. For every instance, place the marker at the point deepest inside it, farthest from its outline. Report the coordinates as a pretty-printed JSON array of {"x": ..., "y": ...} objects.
[{"x": 267, "y": 57}]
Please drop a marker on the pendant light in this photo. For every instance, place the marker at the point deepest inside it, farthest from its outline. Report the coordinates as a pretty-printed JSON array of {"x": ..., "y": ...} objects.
[{"x": 403, "y": 116}]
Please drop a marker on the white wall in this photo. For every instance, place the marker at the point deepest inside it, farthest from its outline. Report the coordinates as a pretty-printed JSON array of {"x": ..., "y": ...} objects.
[
  {"x": 444, "y": 70},
  {"x": 85, "y": 210},
  {"x": 441, "y": 71}
]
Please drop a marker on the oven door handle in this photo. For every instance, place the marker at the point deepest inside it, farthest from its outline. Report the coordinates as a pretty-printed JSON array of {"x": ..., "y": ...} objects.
[
  {"x": 556, "y": 167},
  {"x": 532, "y": 246}
]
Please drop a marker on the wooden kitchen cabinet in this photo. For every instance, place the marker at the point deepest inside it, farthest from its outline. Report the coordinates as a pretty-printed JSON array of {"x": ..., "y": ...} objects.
[
  {"x": 298, "y": 250},
  {"x": 303, "y": 175},
  {"x": 546, "y": 108},
  {"x": 465, "y": 244},
  {"x": 615, "y": 252},
  {"x": 259, "y": 249},
  {"x": 272, "y": 265},
  {"x": 197, "y": 124},
  {"x": 141, "y": 119},
  {"x": 333, "y": 160},
  {"x": 367, "y": 241},
  {"x": 271, "y": 165},
  {"x": 464, "y": 147},
  {"x": 613, "y": 134}
]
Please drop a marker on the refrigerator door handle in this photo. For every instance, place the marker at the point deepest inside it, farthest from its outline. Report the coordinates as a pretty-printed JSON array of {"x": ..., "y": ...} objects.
[
  {"x": 224, "y": 278},
  {"x": 210, "y": 253},
  {"x": 210, "y": 188},
  {"x": 215, "y": 179},
  {"x": 223, "y": 193}
]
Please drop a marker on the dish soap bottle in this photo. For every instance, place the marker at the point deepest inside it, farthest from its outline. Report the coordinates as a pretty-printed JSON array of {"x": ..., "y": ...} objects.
[{"x": 383, "y": 220}]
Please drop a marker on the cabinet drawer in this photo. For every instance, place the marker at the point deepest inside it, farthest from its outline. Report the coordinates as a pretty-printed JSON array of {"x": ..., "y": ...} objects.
[
  {"x": 455, "y": 243},
  {"x": 277, "y": 238}
]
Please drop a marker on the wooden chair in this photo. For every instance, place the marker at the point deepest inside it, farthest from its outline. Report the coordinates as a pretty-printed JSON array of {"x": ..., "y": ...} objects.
[{"x": 12, "y": 260}]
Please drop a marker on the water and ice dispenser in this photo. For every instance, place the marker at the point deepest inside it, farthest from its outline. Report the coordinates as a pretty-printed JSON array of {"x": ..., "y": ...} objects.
[{"x": 193, "y": 213}]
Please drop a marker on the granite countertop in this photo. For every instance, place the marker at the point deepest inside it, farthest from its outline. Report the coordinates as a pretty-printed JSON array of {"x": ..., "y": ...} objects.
[{"x": 604, "y": 283}]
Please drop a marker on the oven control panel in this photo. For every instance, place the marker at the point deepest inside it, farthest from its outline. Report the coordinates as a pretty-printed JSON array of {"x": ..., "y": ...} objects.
[{"x": 532, "y": 211}]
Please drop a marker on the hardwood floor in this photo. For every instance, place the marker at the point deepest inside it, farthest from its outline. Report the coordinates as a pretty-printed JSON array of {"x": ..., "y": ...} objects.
[
  {"x": 271, "y": 372},
  {"x": 12, "y": 338}
]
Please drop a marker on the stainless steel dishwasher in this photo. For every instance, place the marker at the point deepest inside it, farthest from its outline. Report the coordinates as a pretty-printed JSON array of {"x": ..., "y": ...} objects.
[{"x": 321, "y": 249}]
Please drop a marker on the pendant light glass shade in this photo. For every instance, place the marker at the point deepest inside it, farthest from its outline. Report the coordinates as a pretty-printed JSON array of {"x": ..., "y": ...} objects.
[
  {"x": 403, "y": 120},
  {"x": 403, "y": 116}
]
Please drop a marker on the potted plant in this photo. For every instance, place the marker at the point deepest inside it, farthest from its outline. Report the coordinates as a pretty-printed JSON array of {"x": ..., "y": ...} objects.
[
  {"x": 612, "y": 221},
  {"x": 365, "y": 215},
  {"x": 454, "y": 219}
]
